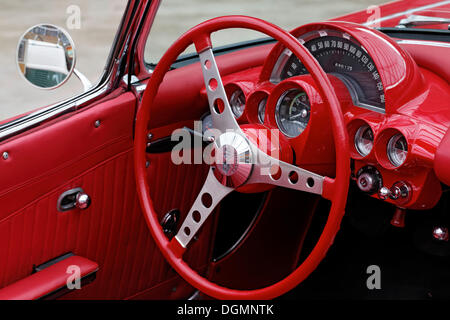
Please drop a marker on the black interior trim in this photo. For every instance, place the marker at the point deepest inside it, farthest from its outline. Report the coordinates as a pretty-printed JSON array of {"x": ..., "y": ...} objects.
[
  {"x": 417, "y": 34},
  {"x": 49, "y": 263}
]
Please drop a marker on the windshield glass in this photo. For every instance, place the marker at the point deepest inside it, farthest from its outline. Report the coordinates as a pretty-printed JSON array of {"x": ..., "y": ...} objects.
[{"x": 175, "y": 17}]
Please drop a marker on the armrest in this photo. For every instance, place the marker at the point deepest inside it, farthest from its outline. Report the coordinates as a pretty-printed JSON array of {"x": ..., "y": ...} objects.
[{"x": 48, "y": 280}]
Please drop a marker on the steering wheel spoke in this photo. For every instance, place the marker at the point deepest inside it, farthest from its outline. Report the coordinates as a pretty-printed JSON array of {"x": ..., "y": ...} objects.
[
  {"x": 276, "y": 172},
  {"x": 222, "y": 115},
  {"x": 210, "y": 195}
]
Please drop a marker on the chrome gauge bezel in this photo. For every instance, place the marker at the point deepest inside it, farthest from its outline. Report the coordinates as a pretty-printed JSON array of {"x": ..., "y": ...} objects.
[
  {"x": 261, "y": 117},
  {"x": 390, "y": 149},
  {"x": 237, "y": 114},
  {"x": 359, "y": 136},
  {"x": 277, "y": 112}
]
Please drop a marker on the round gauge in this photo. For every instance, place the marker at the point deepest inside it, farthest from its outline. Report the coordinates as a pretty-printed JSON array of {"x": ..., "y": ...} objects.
[
  {"x": 262, "y": 110},
  {"x": 397, "y": 150},
  {"x": 237, "y": 103},
  {"x": 292, "y": 112},
  {"x": 364, "y": 140}
]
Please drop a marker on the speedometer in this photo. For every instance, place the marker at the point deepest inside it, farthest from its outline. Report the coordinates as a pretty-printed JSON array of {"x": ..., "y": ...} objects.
[
  {"x": 292, "y": 112},
  {"x": 340, "y": 55}
]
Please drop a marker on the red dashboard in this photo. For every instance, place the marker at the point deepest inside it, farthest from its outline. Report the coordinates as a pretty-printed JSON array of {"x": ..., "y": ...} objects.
[{"x": 395, "y": 105}]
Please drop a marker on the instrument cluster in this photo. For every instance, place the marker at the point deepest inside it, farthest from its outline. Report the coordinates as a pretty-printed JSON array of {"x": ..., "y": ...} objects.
[
  {"x": 389, "y": 108},
  {"x": 286, "y": 106}
]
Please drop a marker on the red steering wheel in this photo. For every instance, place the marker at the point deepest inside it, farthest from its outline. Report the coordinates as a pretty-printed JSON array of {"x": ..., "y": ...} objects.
[{"x": 224, "y": 177}]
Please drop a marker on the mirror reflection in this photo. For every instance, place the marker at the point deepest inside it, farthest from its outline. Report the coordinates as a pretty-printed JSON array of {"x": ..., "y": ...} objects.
[{"x": 46, "y": 56}]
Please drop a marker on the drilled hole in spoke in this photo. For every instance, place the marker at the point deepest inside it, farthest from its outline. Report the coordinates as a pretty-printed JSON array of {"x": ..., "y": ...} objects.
[
  {"x": 219, "y": 106},
  {"x": 207, "y": 64},
  {"x": 275, "y": 172},
  {"x": 212, "y": 84},
  {"x": 310, "y": 182},
  {"x": 187, "y": 231},
  {"x": 293, "y": 177},
  {"x": 196, "y": 216},
  {"x": 207, "y": 200}
]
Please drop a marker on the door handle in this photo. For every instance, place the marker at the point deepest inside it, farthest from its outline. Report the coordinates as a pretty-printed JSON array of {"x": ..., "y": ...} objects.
[{"x": 74, "y": 198}]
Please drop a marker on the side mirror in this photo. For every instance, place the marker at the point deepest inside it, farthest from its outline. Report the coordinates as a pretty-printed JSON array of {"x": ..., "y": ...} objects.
[{"x": 46, "y": 57}]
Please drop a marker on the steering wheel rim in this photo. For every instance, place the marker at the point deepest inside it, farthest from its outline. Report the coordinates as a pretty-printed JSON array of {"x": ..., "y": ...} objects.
[{"x": 333, "y": 189}]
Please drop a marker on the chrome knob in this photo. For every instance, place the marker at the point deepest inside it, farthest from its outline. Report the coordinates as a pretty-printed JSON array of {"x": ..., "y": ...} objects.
[
  {"x": 384, "y": 193},
  {"x": 399, "y": 191},
  {"x": 82, "y": 201},
  {"x": 395, "y": 193},
  {"x": 304, "y": 113},
  {"x": 440, "y": 233}
]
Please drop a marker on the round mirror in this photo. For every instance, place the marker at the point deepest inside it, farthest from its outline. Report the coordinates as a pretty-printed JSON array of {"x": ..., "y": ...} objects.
[{"x": 46, "y": 56}]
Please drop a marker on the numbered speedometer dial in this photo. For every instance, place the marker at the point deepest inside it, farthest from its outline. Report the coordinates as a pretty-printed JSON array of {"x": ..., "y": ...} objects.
[
  {"x": 292, "y": 112},
  {"x": 342, "y": 56}
]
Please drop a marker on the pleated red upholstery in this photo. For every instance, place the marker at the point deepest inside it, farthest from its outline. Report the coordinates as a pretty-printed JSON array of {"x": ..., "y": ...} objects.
[{"x": 112, "y": 232}]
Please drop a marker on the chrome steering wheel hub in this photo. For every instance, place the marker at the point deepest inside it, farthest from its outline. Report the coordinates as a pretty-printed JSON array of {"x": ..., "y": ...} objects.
[{"x": 232, "y": 159}]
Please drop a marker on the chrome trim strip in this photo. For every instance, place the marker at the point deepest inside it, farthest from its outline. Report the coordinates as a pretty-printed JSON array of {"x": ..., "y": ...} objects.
[
  {"x": 407, "y": 12},
  {"x": 84, "y": 80},
  {"x": 195, "y": 295},
  {"x": 424, "y": 43},
  {"x": 50, "y": 112},
  {"x": 418, "y": 20}
]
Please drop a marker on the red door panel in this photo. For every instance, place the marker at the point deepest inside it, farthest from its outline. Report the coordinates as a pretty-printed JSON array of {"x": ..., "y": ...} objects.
[{"x": 72, "y": 152}]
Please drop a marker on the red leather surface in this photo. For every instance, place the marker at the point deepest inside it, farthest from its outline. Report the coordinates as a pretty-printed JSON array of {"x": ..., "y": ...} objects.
[
  {"x": 48, "y": 280},
  {"x": 70, "y": 152},
  {"x": 426, "y": 57},
  {"x": 42, "y": 159}
]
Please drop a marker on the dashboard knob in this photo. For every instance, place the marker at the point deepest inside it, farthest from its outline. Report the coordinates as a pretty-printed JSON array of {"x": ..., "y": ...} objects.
[
  {"x": 399, "y": 191},
  {"x": 369, "y": 180},
  {"x": 366, "y": 182},
  {"x": 384, "y": 193}
]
